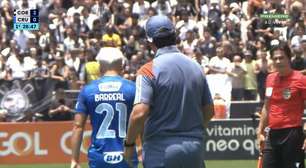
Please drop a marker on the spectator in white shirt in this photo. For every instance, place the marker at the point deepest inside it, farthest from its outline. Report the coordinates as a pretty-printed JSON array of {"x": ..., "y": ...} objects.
[
  {"x": 72, "y": 40},
  {"x": 44, "y": 39},
  {"x": 185, "y": 24},
  {"x": 102, "y": 10},
  {"x": 235, "y": 13},
  {"x": 30, "y": 60},
  {"x": 16, "y": 64},
  {"x": 297, "y": 38},
  {"x": 72, "y": 59},
  {"x": 219, "y": 64},
  {"x": 76, "y": 8},
  {"x": 22, "y": 37},
  {"x": 88, "y": 17},
  {"x": 189, "y": 43},
  {"x": 162, "y": 7},
  {"x": 218, "y": 77},
  {"x": 201, "y": 59},
  {"x": 24, "y": 4},
  {"x": 141, "y": 8}
]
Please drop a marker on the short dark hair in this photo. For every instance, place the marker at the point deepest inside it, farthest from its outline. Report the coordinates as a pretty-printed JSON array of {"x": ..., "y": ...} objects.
[
  {"x": 168, "y": 40},
  {"x": 283, "y": 46}
]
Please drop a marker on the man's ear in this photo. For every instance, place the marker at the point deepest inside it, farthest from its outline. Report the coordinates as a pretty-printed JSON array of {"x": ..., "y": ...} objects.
[{"x": 152, "y": 46}]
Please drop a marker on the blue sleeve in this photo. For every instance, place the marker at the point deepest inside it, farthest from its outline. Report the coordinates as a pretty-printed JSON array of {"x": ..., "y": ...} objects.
[
  {"x": 144, "y": 90},
  {"x": 80, "y": 106},
  {"x": 206, "y": 99}
]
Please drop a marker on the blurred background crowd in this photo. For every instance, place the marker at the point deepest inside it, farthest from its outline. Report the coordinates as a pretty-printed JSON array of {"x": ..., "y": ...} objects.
[{"x": 228, "y": 38}]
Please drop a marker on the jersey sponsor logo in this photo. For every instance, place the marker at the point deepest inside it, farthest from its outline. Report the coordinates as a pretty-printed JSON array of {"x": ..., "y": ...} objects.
[
  {"x": 110, "y": 86},
  {"x": 269, "y": 91},
  {"x": 113, "y": 157},
  {"x": 286, "y": 93}
]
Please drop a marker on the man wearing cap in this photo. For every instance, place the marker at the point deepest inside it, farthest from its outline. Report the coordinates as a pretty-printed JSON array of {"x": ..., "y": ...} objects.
[
  {"x": 172, "y": 104},
  {"x": 108, "y": 101}
]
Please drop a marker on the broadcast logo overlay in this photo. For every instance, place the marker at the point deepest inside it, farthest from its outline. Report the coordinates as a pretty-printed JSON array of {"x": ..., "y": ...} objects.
[
  {"x": 26, "y": 19},
  {"x": 274, "y": 19}
]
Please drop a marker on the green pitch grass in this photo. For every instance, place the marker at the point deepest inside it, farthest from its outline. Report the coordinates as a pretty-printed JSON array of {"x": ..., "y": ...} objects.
[{"x": 209, "y": 164}]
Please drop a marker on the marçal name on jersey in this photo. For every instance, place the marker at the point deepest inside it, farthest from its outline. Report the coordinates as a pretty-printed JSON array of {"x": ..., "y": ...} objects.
[{"x": 109, "y": 97}]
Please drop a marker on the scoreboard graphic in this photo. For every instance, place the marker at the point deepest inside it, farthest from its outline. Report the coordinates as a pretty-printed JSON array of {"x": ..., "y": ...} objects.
[{"x": 26, "y": 19}]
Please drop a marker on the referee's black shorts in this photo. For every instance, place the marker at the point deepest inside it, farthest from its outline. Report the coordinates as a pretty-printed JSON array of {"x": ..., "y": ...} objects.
[{"x": 283, "y": 148}]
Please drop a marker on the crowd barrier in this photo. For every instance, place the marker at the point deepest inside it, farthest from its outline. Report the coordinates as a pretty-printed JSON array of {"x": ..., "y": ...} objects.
[{"x": 49, "y": 142}]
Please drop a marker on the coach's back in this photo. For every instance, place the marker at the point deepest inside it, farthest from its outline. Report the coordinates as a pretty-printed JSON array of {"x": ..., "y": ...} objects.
[{"x": 179, "y": 95}]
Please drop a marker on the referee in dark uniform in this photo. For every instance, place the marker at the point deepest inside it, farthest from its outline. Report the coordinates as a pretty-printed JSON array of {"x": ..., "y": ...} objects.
[{"x": 280, "y": 130}]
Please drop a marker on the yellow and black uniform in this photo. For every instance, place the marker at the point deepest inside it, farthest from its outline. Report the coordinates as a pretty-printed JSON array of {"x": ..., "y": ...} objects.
[
  {"x": 112, "y": 40},
  {"x": 92, "y": 71}
]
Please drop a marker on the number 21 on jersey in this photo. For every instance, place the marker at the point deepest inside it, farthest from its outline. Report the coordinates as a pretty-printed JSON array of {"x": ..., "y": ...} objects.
[{"x": 104, "y": 131}]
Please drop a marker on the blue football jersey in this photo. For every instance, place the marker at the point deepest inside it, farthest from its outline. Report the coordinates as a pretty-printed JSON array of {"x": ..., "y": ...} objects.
[{"x": 108, "y": 101}]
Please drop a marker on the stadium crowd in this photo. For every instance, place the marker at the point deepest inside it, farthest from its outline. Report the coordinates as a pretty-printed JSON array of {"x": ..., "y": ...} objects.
[{"x": 229, "y": 38}]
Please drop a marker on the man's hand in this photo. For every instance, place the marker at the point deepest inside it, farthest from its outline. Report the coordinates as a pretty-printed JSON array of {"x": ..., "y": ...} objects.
[
  {"x": 64, "y": 108},
  {"x": 304, "y": 131},
  {"x": 74, "y": 164},
  {"x": 128, "y": 155},
  {"x": 304, "y": 145},
  {"x": 3, "y": 113},
  {"x": 62, "y": 79},
  {"x": 260, "y": 140}
]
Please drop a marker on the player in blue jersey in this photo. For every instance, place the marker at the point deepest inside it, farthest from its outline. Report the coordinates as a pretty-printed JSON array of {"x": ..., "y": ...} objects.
[{"x": 108, "y": 101}]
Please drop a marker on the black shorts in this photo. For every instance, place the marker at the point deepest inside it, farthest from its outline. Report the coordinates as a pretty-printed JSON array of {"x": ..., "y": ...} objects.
[{"x": 283, "y": 148}]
